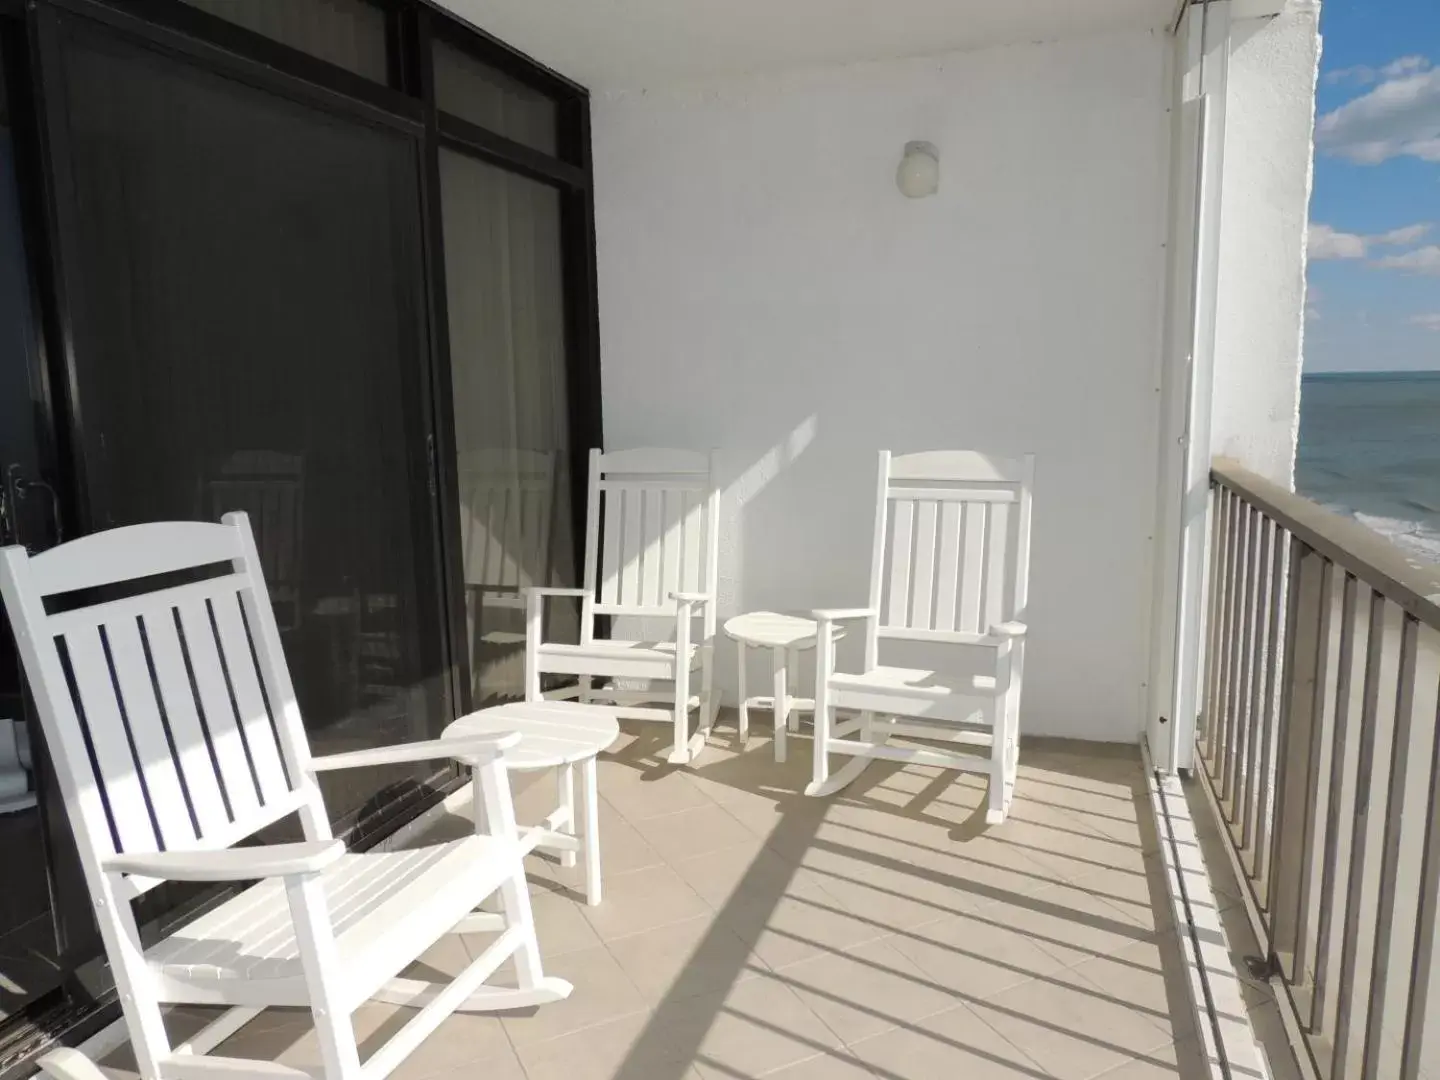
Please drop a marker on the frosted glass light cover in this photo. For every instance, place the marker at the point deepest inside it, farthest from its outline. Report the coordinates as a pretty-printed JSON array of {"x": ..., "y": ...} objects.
[{"x": 919, "y": 171}]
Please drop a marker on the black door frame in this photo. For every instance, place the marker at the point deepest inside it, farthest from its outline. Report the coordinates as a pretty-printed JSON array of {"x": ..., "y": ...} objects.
[{"x": 407, "y": 104}]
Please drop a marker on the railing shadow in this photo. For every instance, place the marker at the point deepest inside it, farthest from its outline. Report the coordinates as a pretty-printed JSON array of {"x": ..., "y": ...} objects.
[{"x": 675, "y": 1034}]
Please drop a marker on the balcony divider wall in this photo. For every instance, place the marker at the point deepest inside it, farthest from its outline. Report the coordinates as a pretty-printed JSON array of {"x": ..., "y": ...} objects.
[{"x": 330, "y": 263}]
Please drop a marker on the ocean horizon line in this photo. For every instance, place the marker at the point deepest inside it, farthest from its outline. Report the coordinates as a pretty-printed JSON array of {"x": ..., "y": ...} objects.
[{"x": 1375, "y": 376}]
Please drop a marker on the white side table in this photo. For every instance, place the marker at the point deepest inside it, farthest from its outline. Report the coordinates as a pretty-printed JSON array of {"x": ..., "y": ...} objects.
[
  {"x": 554, "y": 735},
  {"x": 785, "y": 636}
]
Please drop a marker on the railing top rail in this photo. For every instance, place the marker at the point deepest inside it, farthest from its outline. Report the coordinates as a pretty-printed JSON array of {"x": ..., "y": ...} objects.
[{"x": 1373, "y": 559}]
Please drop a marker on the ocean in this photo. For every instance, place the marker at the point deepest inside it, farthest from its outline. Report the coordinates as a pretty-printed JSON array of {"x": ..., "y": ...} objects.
[{"x": 1370, "y": 449}]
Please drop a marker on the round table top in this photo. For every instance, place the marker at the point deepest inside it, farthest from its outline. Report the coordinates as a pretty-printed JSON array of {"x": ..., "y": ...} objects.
[
  {"x": 771, "y": 629},
  {"x": 551, "y": 732}
]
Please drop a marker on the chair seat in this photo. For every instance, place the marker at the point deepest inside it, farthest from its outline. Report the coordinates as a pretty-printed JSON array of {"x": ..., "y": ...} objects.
[
  {"x": 608, "y": 657},
  {"x": 917, "y": 683},
  {"x": 387, "y": 907}
]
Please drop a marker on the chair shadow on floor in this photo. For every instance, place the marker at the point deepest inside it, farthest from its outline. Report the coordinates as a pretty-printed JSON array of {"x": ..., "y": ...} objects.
[{"x": 884, "y": 932}]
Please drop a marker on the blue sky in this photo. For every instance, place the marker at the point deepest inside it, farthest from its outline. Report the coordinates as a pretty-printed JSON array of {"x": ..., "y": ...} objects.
[{"x": 1374, "y": 302}]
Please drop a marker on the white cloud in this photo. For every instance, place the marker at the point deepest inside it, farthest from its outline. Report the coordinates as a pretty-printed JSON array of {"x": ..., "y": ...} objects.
[
  {"x": 1409, "y": 234},
  {"x": 1359, "y": 75},
  {"x": 1399, "y": 117},
  {"x": 1325, "y": 242},
  {"x": 1425, "y": 260},
  {"x": 1426, "y": 322},
  {"x": 1406, "y": 65}
]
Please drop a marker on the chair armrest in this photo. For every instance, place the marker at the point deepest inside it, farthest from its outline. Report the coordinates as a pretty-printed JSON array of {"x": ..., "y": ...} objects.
[
  {"x": 537, "y": 590},
  {"x": 469, "y": 748},
  {"x": 692, "y": 597},
  {"x": 841, "y": 614},
  {"x": 1008, "y": 630},
  {"x": 230, "y": 864}
]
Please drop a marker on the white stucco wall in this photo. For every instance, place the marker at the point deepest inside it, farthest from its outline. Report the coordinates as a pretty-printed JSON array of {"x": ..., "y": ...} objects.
[
  {"x": 1264, "y": 207},
  {"x": 765, "y": 289}
]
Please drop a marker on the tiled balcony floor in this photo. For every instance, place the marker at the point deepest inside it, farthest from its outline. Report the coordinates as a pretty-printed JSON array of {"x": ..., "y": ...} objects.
[{"x": 749, "y": 931}]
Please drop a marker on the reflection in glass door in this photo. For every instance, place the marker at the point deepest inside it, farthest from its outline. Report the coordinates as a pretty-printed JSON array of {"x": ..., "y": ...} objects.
[
  {"x": 506, "y": 303},
  {"x": 29, "y": 950},
  {"x": 247, "y": 308}
]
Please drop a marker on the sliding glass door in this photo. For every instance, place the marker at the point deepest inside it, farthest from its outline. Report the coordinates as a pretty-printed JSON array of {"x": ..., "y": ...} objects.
[
  {"x": 247, "y": 314},
  {"x": 333, "y": 267}
]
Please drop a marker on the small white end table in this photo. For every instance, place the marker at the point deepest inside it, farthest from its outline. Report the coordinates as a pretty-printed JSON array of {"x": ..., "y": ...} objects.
[
  {"x": 785, "y": 636},
  {"x": 554, "y": 735}
]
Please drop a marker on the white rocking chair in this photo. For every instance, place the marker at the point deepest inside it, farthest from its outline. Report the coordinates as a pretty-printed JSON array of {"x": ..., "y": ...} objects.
[
  {"x": 950, "y": 566},
  {"x": 655, "y": 511},
  {"x": 175, "y": 734}
]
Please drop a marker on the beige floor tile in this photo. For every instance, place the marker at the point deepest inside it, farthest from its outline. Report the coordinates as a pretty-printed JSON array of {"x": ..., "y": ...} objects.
[
  {"x": 955, "y": 1043},
  {"x": 288, "y": 1036},
  {"x": 1073, "y": 1032},
  {"x": 866, "y": 990},
  {"x": 698, "y": 956},
  {"x": 640, "y": 792},
  {"x": 602, "y": 992},
  {"x": 696, "y": 831},
  {"x": 746, "y": 869},
  {"x": 906, "y": 885},
  {"x": 472, "y": 1040},
  {"x": 630, "y": 1048},
  {"x": 1071, "y": 850},
  {"x": 642, "y": 900},
  {"x": 504, "y": 1066},
  {"x": 1184, "y": 1061},
  {"x": 975, "y": 956},
  {"x": 797, "y": 927},
  {"x": 622, "y": 847},
  {"x": 839, "y": 1064},
  {"x": 888, "y": 897},
  {"x": 1146, "y": 977},
  {"x": 1072, "y": 923},
  {"x": 442, "y": 961},
  {"x": 787, "y": 824},
  {"x": 560, "y": 925},
  {"x": 756, "y": 1027}
]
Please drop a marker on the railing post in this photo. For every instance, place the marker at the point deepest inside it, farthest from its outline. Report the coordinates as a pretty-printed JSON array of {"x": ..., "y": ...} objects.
[
  {"x": 1306, "y": 585},
  {"x": 1213, "y": 623},
  {"x": 1422, "y": 1043},
  {"x": 1407, "y": 798},
  {"x": 1280, "y": 634},
  {"x": 1317, "y": 795},
  {"x": 1377, "y": 728}
]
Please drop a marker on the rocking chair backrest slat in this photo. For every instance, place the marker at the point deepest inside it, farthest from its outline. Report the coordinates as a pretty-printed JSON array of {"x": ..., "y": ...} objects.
[
  {"x": 952, "y": 543},
  {"x": 169, "y": 712},
  {"x": 656, "y": 513}
]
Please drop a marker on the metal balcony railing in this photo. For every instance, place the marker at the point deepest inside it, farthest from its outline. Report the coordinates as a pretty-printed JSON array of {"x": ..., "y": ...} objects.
[{"x": 1320, "y": 743}]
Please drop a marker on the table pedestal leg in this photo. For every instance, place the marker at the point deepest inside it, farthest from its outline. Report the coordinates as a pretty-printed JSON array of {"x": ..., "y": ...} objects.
[
  {"x": 591, "y": 832},
  {"x": 566, "y": 779},
  {"x": 782, "y": 701},
  {"x": 792, "y": 665},
  {"x": 744, "y": 701}
]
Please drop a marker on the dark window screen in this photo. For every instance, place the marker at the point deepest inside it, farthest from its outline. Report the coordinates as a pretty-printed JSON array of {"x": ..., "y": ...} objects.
[
  {"x": 249, "y": 336},
  {"x": 476, "y": 92},
  {"x": 347, "y": 33}
]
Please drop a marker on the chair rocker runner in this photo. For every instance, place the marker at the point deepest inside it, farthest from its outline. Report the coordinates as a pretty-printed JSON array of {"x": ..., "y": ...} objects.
[
  {"x": 651, "y": 548},
  {"x": 175, "y": 734},
  {"x": 950, "y": 566}
]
